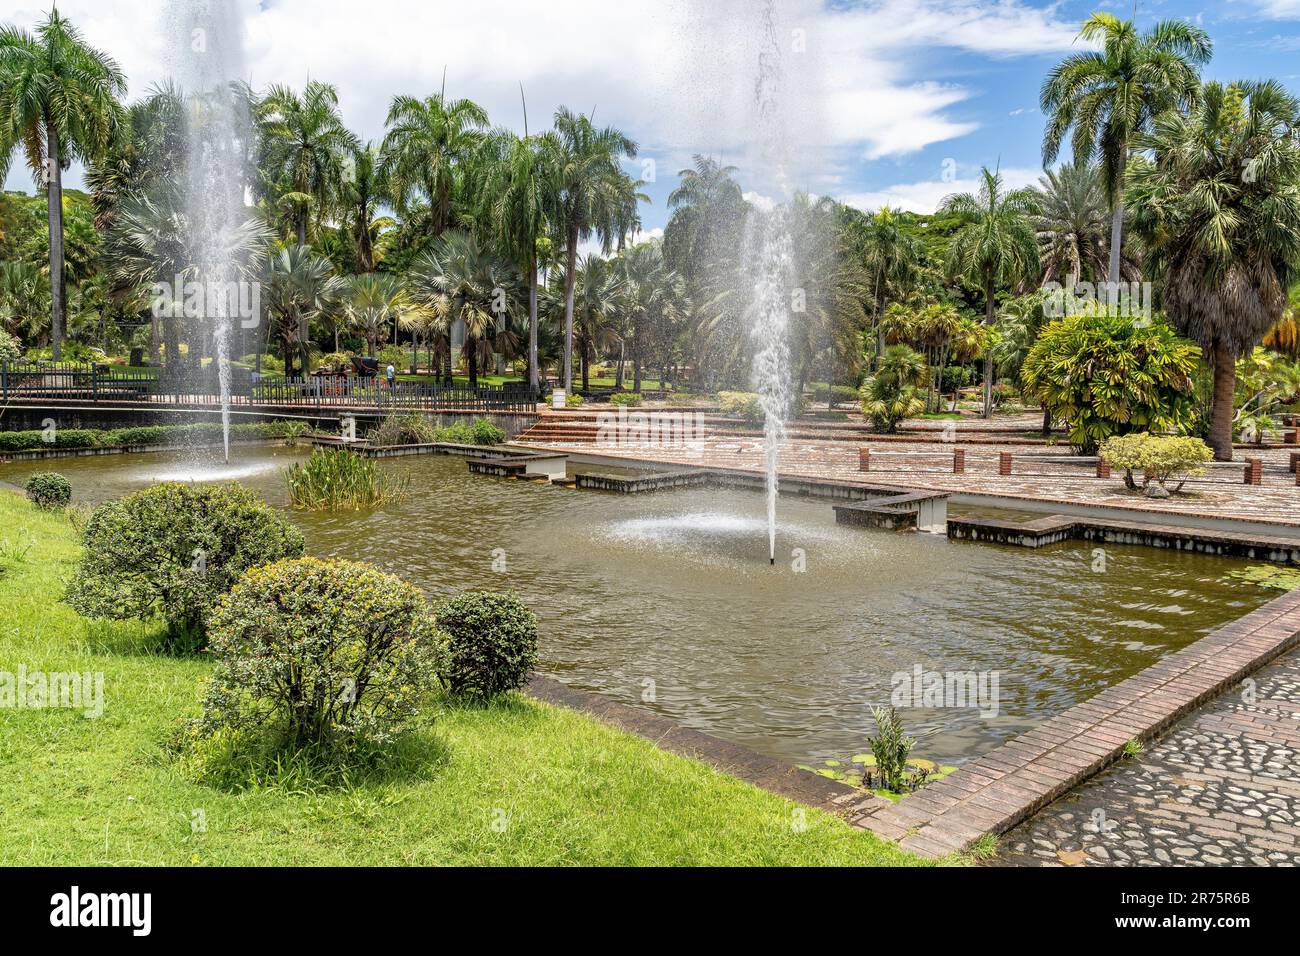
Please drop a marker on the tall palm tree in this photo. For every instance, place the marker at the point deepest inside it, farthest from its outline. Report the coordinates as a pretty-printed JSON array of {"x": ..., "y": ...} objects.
[
  {"x": 427, "y": 142},
  {"x": 993, "y": 248},
  {"x": 708, "y": 215},
  {"x": 302, "y": 286},
  {"x": 1110, "y": 95},
  {"x": 373, "y": 302},
  {"x": 588, "y": 194},
  {"x": 514, "y": 193},
  {"x": 305, "y": 144},
  {"x": 1218, "y": 204},
  {"x": 1072, "y": 227},
  {"x": 59, "y": 100},
  {"x": 892, "y": 258},
  {"x": 363, "y": 189}
]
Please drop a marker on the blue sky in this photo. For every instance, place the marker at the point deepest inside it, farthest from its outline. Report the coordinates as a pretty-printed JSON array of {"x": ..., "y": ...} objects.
[{"x": 890, "y": 101}]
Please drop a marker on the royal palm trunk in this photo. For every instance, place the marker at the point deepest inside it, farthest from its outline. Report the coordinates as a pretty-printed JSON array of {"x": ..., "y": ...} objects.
[
  {"x": 1225, "y": 385},
  {"x": 570, "y": 281},
  {"x": 54, "y": 201}
]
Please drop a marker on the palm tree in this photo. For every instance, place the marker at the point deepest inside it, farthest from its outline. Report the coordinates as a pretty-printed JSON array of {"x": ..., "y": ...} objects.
[
  {"x": 708, "y": 214},
  {"x": 427, "y": 141},
  {"x": 1218, "y": 206},
  {"x": 1110, "y": 95},
  {"x": 514, "y": 192},
  {"x": 655, "y": 299},
  {"x": 58, "y": 98},
  {"x": 587, "y": 194},
  {"x": 148, "y": 148},
  {"x": 597, "y": 304},
  {"x": 305, "y": 142},
  {"x": 1071, "y": 226},
  {"x": 892, "y": 258},
  {"x": 994, "y": 248},
  {"x": 24, "y": 300},
  {"x": 363, "y": 189},
  {"x": 460, "y": 280},
  {"x": 302, "y": 286},
  {"x": 372, "y": 302}
]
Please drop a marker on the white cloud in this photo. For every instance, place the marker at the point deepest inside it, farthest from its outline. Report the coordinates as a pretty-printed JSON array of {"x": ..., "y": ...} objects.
[
  {"x": 925, "y": 196},
  {"x": 678, "y": 75}
]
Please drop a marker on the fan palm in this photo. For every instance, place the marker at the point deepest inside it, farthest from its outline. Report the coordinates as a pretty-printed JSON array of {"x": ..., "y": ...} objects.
[
  {"x": 305, "y": 144},
  {"x": 24, "y": 299},
  {"x": 587, "y": 194},
  {"x": 1218, "y": 205},
  {"x": 58, "y": 99},
  {"x": 655, "y": 299},
  {"x": 993, "y": 248},
  {"x": 302, "y": 286},
  {"x": 1110, "y": 95},
  {"x": 373, "y": 302},
  {"x": 427, "y": 142}
]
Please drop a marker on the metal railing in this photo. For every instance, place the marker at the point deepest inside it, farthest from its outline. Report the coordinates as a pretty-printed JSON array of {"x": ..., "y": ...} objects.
[{"x": 104, "y": 383}]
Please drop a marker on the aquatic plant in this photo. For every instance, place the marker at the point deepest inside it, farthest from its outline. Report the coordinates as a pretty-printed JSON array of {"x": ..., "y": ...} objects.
[{"x": 335, "y": 479}]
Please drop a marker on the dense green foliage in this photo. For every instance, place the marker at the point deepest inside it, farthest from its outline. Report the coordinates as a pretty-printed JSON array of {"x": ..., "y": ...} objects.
[
  {"x": 1112, "y": 375},
  {"x": 49, "y": 489},
  {"x": 172, "y": 550},
  {"x": 327, "y": 656},
  {"x": 894, "y": 391},
  {"x": 491, "y": 643}
]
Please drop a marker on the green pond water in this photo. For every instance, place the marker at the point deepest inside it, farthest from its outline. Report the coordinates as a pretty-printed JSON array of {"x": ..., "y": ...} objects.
[{"x": 667, "y": 601}]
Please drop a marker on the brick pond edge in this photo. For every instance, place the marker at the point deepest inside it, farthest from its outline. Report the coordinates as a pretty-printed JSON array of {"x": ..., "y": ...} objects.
[{"x": 993, "y": 792}]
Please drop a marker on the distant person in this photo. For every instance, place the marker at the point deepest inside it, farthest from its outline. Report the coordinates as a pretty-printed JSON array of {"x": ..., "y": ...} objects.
[{"x": 391, "y": 374}]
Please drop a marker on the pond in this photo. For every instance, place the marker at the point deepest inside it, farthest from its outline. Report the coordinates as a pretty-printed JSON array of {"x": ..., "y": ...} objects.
[{"x": 667, "y": 601}]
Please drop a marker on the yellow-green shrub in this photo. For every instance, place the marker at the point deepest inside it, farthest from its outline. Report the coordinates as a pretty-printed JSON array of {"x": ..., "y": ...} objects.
[{"x": 1159, "y": 458}]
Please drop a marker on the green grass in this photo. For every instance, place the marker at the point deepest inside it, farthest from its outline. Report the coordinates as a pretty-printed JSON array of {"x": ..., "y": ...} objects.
[{"x": 561, "y": 787}]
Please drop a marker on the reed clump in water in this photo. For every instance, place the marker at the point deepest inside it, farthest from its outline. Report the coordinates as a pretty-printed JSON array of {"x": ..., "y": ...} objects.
[{"x": 335, "y": 479}]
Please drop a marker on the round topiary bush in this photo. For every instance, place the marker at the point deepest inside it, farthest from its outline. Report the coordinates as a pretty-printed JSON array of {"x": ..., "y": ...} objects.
[
  {"x": 172, "y": 550},
  {"x": 49, "y": 489},
  {"x": 491, "y": 643},
  {"x": 320, "y": 654}
]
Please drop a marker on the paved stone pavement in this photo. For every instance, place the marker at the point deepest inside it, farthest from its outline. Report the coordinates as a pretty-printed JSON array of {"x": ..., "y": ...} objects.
[
  {"x": 927, "y": 466},
  {"x": 1221, "y": 788}
]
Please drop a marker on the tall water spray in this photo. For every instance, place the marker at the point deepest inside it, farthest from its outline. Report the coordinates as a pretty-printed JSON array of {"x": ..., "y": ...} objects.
[
  {"x": 769, "y": 266},
  {"x": 206, "y": 64}
]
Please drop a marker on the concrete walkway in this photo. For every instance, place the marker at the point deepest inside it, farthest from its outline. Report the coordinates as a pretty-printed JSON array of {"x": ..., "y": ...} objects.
[{"x": 1222, "y": 788}]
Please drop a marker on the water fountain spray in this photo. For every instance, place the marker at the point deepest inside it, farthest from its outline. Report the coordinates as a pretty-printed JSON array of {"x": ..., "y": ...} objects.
[{"x": 206, "y": 63}]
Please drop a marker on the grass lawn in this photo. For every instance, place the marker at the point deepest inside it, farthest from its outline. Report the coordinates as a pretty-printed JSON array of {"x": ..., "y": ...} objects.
[{"x": 517, "y": 783}]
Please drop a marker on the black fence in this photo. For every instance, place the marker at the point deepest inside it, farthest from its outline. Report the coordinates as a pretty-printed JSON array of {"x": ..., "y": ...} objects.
[{"x": 104, "y": 384}]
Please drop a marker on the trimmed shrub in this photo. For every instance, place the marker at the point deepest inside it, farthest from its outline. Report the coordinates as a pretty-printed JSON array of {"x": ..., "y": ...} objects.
[
  {"x": 172, "y": 550},
  {"x": 145, "y": 435},
  {"x": 1159, "y": 458},
  {"x": 631, "y": 399},
  {"x": 320, "y": 655},
  {"x": 491, "y": 643},
  {"x": 49, "y": 489},
  {"x": 410, "y": 428},
  {"x": 746, "y": 405},
  {"x": 336, "y": 478},
  {"x": 479, "y": 432}
]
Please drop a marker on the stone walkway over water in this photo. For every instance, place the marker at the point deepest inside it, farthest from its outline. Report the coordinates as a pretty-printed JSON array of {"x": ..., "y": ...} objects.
[{"x": 1221, "y": 788}]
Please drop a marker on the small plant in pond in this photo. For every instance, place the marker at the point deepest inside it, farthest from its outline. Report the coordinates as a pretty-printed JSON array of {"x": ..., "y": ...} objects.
[
  {"x": 491, "y": 642},
  {"x": 410, "y": 428},
  {"x": 172, "y": 550},
  {"x": 890, "y": 746},
  {"x": 336, "y": 479},
  {"x": 860, "y": 771},
  {"x": 49, "y": 490},
  {"x": 329, "y": 658}
]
